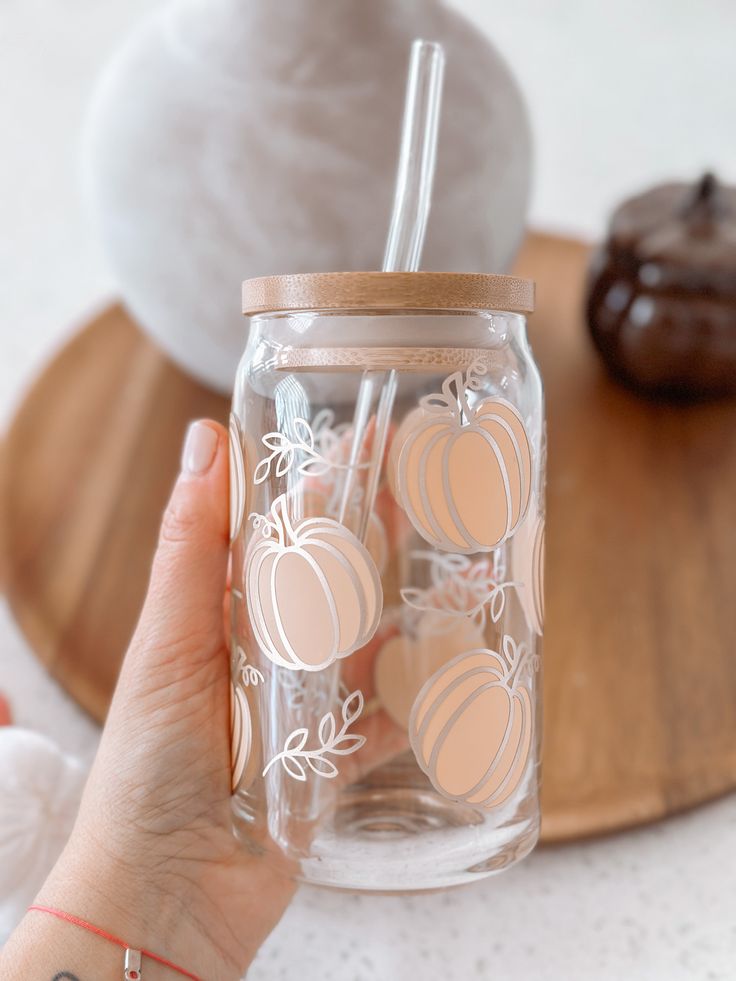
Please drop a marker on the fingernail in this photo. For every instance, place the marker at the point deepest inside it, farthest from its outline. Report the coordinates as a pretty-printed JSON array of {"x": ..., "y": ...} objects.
[{"x": 199, "y": 449}]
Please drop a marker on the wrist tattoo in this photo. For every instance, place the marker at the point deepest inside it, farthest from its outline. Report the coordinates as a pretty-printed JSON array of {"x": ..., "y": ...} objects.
[{"x": 65, "y": 976}]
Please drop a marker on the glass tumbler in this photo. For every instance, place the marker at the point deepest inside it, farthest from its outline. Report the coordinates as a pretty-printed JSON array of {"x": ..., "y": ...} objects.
[{"x": 387, "y": 523}]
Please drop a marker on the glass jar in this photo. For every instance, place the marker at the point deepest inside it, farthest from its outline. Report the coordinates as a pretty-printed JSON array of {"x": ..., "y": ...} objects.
[{"x": 387, "y": 521}]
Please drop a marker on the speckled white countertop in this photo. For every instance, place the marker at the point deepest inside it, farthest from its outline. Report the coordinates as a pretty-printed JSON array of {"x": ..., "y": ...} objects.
[{"x": 652, "y": 905}]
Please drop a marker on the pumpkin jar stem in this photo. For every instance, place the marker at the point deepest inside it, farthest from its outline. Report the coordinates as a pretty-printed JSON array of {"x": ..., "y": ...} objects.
[
  {"x": 458, "y": 399},
  {"x": 282, "y": 522},
  {"x": 466, "y": 413}
]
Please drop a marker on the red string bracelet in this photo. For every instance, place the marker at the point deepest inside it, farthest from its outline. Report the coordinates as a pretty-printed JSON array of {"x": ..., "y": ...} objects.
[{"x": 132, "y": 962}]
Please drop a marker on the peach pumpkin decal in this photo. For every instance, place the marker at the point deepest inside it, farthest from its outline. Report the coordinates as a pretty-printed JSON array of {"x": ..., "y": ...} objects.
[
  {"x": 527, "y": 556},
  {"x": 405, "y": 662},
  {"x": 314, "y": 592},
  {"x": 237, "y": 478},
  {"x": 471, "y": 726},
  {"x": 241, "y": 735},
  {"x": 464, "y": 471}
]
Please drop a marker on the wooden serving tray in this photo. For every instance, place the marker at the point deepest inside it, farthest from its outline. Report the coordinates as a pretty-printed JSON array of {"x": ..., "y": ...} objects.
[{"x": 640, "y": 647}]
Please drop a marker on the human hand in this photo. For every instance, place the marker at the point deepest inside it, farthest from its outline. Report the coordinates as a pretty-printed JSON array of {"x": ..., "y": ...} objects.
[{"x": 152, "y": 857}]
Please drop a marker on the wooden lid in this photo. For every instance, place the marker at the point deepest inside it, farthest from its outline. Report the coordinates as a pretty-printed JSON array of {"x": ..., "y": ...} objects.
[{"x": 387, "y": 291}]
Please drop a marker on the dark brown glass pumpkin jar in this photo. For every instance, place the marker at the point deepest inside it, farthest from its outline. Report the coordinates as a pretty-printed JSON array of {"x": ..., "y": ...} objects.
[{"x": 661, "y": 298}]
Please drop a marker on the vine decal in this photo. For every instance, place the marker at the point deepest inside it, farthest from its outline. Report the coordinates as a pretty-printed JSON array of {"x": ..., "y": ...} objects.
[
  {"x": 296, "y": 759},
  {"x": 308, "y": 690},
  {"x": 461, "y": 588},
  {"x": 249, "y": 673}
]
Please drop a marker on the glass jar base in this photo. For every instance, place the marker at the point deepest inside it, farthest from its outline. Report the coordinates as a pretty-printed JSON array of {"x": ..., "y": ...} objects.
[{"x": 406, "y": 840}]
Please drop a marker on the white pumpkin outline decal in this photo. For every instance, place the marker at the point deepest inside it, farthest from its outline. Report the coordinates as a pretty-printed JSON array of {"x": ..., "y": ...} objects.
[
  {"x": 352, "y": 622},
  {"x": 447, "y": 417},
  {"x": 503, "y": 671},
  {"x": 237, "y": 478}
]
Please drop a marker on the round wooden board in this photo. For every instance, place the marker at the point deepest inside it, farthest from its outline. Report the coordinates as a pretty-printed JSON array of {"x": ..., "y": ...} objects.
[{"x": 640, "y": 672}]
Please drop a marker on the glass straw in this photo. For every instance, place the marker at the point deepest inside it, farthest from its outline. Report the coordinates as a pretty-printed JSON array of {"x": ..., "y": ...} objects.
[{"x": 412, "y": 200}]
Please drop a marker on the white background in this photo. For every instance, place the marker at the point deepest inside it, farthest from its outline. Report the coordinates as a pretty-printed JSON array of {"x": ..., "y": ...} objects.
[{"x": 621, "y": 94}]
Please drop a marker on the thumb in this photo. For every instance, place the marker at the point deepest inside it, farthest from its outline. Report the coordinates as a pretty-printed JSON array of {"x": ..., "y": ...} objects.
[
  {"x": 182, "y": 617},
  {"x": 165, "y": 739}
]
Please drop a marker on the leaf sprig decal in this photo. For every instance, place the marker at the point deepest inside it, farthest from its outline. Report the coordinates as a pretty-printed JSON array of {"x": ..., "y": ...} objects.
[
  {"x": 314, "y": 449},
  {"x": 297, "y": 760}
]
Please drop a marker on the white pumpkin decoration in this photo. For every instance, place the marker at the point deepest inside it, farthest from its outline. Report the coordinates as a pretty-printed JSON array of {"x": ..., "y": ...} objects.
[
  {"x": 314, "y": 592},
  {"x": 465, "y": 471},
  {"x": 471, "y": 726},
  {"x": 240, "y": 138}
]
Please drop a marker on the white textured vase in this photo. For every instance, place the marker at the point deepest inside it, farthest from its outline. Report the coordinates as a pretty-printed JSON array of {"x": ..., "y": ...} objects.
[{"x": 237, "y": 138}]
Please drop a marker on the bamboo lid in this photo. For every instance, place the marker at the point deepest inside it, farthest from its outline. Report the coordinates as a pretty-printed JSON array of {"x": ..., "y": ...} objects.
[{"x": 387, "y": 291}]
